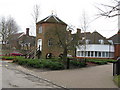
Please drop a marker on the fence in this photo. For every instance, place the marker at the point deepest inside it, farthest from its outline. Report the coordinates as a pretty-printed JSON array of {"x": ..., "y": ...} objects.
[{"x": 116, "y": 67}]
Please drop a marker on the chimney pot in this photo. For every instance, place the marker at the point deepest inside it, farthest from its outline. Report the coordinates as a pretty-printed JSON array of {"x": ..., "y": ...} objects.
[
  {"x": 78, "y": 30},
  {"x": 27, "y": 31}
]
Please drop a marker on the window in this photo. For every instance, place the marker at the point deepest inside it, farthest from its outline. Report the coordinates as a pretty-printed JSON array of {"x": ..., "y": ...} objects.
[
  {"x": 82, "y": 53},
  {"x": 110, "y": 41},
  {"x": 103, "y": 54},
  {"x": 78, "y": 53},
  {"x": 50, "y": 42},
  {"x": 101, "y": 41},
  {"x": 40, "y": 29},
  {"x": 95, "y": 54},
  {"x": 91, "y": 53},
  {"x": 99, "y": 54},
  {"x": 107, "y": 54},
  {"x": 87, "y": 41}
]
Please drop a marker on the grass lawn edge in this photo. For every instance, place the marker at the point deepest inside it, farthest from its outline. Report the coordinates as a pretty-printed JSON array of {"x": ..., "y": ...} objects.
[{"x": 117, "y": 80}]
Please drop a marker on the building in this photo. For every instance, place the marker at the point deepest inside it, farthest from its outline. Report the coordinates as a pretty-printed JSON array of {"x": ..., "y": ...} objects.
[
  {"x": 94, "y": 45},
  {"x": 21, "y": 41},
  {"x": 116, "y": 41},
  {"x": 26, "y": 41},
  {"x": 46, "y": 35}
]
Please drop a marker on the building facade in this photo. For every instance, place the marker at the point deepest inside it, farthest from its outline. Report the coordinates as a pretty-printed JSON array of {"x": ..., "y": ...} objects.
[
  {"x": 21, "y": 42},
  {"x": 116, "y": 41},
  {"x": 46, "y": 35},
  {"x": 94, "y": 45}
]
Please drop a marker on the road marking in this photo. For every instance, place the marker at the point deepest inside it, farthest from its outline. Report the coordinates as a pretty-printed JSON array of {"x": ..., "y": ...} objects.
[{"x": 6, "y": 65}]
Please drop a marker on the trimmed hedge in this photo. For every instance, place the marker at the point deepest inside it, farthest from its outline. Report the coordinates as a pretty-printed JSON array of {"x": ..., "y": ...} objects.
[
  {"x": 7, "y": 57},
  {"x": 106, "y": 60},
  {"x": 98, "y": 61},
  {"x": 77, "y": 63},
  {"x": 43, "y": 63}
]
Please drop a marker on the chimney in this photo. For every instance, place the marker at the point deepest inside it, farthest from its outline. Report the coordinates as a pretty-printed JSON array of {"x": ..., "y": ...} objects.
[
  {"x": 78, "y": 30},
  {"x": 27, "y": 31},
  {"x": 70, "y": 31}
]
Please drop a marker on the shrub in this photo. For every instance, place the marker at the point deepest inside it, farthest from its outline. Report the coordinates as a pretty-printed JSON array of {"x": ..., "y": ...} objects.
[
  {"x": 34, "y": 63},
  {"x": 8, "y": 57},
  {"x": 106, "y": 60},
  {"x": 22, "y": 61},
  {"x": 44, "y": 63},
  {"x": 56, "y": 66},
  {"x": 99, "y": 62},
  {"x": 77, "y": 63}
]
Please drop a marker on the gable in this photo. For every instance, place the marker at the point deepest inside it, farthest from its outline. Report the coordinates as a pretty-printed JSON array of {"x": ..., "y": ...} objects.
[{"x": 52, "y": 19}]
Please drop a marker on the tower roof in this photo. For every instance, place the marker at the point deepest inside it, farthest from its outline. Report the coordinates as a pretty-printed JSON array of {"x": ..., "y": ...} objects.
[
  {"x": 52, "y": 19},
  {"x": 119, "y": 31}
]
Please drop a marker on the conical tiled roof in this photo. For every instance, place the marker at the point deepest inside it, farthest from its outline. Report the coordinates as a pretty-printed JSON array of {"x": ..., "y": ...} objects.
[{"x": 52, "y": 19}]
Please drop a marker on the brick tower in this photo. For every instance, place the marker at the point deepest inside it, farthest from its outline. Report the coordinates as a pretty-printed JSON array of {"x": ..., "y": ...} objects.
[{"x": 46, "y": 37}]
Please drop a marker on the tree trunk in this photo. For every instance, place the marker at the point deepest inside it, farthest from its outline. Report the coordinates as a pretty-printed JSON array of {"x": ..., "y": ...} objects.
[{"x": 65, "y": 54}]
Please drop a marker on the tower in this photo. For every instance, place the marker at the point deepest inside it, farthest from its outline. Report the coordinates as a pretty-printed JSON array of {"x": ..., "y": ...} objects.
[{"x": 46, "y": 37}]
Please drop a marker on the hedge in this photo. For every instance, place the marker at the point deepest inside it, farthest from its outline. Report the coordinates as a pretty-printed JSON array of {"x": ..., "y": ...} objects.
[
  {"x": 77, "y": 63},
  {"x": 98, "y": 61},
  {"x": 43, "y": 63}
]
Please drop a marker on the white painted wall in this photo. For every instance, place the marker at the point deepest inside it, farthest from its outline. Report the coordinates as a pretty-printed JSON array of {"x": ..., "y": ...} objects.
[{"x": 96, "y": 47}]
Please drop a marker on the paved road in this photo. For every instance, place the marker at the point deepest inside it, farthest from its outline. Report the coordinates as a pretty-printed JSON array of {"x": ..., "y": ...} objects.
[
  {"x": 14, "y": 78},
  {"x": 90, "y": 77}
]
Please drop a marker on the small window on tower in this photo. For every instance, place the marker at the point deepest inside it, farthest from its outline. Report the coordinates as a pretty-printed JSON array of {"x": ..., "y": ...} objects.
[
  {"x": 40, "y": 29},
  {"x": 50, "y": 42}
]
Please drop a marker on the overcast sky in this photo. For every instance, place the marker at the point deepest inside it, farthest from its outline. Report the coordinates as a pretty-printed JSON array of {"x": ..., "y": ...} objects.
[{"x": 70, "y": 11}]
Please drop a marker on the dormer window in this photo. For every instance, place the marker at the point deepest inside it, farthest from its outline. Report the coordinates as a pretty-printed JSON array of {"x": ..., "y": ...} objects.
[
  {"x": 110, "y": 41},
  {"x": 40, "y": 29},
  {"x": 101, "y": 41},
  {"x": 87, "y": 41}
]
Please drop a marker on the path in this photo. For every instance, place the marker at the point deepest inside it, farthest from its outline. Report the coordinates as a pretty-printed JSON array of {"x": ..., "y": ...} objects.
[
  {"x": 15, "y": 78},
  {"x": 90, "y": 77}
]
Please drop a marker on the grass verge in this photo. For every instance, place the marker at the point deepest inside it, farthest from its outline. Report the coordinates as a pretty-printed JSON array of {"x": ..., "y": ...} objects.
[{"x": 117, "y": 80}]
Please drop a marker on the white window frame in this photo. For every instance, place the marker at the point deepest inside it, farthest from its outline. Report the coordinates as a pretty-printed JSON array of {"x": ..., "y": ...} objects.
[
  {"x": 101, "y": 41},
  {"x": 40, "y": 29}
]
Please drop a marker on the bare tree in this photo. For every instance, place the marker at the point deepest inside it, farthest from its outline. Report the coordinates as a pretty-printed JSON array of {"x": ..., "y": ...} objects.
[
  {"x": 84, "y": 26},
  {"x": 66, "y": 40},
  {"x": 3, "y": 29},
  {"x": 111, "y": 10},
  {"x": 8, "y": 27},
  {"x": 36, "y": 13},
  {"x": 84, "y": 21}
]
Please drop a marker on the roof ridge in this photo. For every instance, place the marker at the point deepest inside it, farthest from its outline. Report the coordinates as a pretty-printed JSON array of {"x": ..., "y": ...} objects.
[{"x": 56, "y": 18}]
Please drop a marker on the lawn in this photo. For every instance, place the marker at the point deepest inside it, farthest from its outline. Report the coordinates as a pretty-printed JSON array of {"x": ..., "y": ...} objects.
[{"x": 117, "y": 80}]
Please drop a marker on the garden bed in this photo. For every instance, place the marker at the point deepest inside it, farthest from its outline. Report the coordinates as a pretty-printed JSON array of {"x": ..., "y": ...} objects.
[{"x": 52, "y": 64}]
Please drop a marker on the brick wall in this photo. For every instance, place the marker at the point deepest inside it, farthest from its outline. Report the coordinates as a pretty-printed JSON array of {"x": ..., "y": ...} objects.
[
  {"x": 49, "y": 31},
  {"x": 117, "y": 51}
]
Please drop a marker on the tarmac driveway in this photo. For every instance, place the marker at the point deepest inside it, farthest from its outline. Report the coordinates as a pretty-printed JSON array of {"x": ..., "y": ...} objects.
[{"x": 90, "y": 77}]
